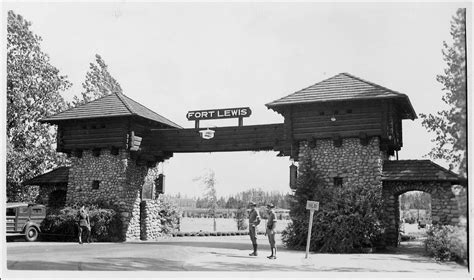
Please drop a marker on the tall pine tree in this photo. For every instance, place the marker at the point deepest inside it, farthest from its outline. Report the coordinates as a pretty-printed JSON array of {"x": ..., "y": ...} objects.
[
  {"x": 450, "y": 125},
  {"x": 99, "y": 82},
  {"x": 33, "y": 92}
]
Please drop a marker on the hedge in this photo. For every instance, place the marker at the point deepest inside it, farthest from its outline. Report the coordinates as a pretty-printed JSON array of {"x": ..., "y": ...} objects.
[
  {"x": 215, "y": 233},
  {"x": 62, "y": 225}
]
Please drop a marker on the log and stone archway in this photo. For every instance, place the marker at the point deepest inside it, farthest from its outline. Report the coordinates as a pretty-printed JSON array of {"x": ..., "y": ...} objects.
[{"x": 351, "y": 127}]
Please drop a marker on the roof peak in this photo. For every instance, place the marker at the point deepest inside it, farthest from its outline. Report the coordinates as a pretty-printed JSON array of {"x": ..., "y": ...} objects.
[
  {"x": 114, "y": 104},
  {"x": 417, "y": 169},
  {"x": 343, "y": 87}
]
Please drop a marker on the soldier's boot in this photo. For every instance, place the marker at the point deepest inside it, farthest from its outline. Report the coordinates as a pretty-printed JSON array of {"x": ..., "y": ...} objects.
[
  {"x": 272, "y": 256},
  {"x": 254, "y": 250}
]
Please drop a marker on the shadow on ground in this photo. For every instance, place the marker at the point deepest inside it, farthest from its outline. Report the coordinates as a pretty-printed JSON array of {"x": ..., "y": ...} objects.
[
  {"x": 204, "y": 244},
  {"x": 101, "y": 264}
]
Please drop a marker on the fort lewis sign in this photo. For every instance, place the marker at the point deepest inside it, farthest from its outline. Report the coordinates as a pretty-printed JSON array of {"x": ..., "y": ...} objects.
[{"x": 229, "y": 113}]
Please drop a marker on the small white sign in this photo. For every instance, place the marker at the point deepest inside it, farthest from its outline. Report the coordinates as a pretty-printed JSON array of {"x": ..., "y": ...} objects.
[
  {"x": 312, "y": 205},
  {"x": 207, "y": 134}
]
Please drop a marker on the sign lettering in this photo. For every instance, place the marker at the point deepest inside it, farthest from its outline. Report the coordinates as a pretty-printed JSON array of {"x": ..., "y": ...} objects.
[
  {"x": 312, "y": 205},
  {"x": 219, "y": 114}
]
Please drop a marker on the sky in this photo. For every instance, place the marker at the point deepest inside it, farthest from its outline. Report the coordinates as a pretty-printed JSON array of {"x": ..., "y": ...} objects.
[{"x": 178, "y": 57}]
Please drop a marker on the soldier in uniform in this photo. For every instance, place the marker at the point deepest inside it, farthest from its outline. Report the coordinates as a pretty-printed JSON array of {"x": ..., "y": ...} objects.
[
  {"x": 254, "y": 221},
  {"x": 271, "y": 225},
  {"x": 84, "y": 224}
]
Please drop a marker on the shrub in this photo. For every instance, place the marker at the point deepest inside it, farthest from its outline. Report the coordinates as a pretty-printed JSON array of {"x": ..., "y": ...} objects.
[
  {"x": 169, "y": 216},
  {"x": 347, "y": 220},
  {"x": 62, "y": 225},
  {"x": 59, "y": 227},
  {"x": 446, "y": 243},
  {"x": 241, "y": 216}
]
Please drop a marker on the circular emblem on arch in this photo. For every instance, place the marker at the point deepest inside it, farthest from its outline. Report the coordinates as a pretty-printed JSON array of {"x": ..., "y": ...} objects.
[{"x": 207, "y": 133}]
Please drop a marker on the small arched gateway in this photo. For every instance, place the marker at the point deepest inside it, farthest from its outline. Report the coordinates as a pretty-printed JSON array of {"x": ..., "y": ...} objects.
[
  {"x": 401, "y": 176},
  {"x": 350, "y": 127},
  {"x": 52, "y": 187}
]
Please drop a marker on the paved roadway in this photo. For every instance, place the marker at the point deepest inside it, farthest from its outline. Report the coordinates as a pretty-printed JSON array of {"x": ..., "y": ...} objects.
[{"x": 216, "y": 254}]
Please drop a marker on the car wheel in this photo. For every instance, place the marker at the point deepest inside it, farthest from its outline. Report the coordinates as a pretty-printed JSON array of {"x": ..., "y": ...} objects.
[{"x": 31, "y": 234}]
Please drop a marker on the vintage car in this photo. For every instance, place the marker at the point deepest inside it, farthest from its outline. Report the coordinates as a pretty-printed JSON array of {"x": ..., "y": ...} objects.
[{"x": 24, "y": 219}]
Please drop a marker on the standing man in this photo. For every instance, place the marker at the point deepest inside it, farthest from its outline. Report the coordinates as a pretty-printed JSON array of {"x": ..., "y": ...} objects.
[
  {"x": 271, "y": 225},
  {"x": 84, "y": 224},
  {"x": 254, "y": 221}
]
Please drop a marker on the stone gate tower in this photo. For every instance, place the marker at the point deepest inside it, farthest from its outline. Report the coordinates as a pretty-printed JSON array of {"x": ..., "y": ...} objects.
[
  {"x": 102, "y": 139},
  {"x": 349, "y": 126},
  {"x": 351, "y": 129}
]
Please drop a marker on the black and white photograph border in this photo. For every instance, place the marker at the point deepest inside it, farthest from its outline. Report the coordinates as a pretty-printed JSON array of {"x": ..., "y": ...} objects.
[{"x": 232, "y": 139}]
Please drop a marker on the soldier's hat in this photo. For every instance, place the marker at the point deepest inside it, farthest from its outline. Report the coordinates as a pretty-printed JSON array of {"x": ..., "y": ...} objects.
[
  {"x": 270, "y": 206},
  {"x": 251, "y": 203}
]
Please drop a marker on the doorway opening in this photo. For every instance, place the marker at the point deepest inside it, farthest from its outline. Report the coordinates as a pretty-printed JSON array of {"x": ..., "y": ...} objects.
[{"x": 414, "y": 218}]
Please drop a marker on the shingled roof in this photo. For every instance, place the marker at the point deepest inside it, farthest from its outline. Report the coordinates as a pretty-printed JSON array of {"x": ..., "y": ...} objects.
[
  {"x": 416, "y": 170},
  {"x": 56, "y": 176},
  {"x": 344, "y": 87},
  {"x": 112, "y": 105}
]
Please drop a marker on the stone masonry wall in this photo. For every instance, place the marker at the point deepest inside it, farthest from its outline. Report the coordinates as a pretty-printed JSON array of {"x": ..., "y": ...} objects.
[
  {"x": 120, "y": 184},
  {"x": 150, "y": 220},
  {"x": 354, "y": 163},
  {"x": 444, "y": 206}
]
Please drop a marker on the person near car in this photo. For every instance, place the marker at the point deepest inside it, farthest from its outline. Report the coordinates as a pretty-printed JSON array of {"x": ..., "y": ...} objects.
[
  {"x": 84, "y": 224},
  {"x": 271, "y": 225},
  {"x": 254, "y": 221}
]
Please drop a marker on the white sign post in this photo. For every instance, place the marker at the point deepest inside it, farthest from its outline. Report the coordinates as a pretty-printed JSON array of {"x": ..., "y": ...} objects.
[{"x": 311, "y": 206}]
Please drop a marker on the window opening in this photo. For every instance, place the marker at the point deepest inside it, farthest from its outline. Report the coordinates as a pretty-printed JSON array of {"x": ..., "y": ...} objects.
[
  {"x": 96, "y": 152},
  {"x": 95, "y": 184}
]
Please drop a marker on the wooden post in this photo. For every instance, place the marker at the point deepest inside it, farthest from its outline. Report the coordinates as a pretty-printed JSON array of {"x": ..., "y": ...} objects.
[
  {"x": 196, "y": 124},
  {"x": 241, "y": 121},
  {"x": 309, "y": 232}
]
